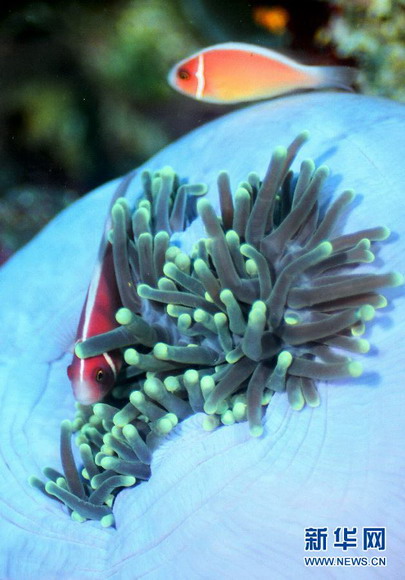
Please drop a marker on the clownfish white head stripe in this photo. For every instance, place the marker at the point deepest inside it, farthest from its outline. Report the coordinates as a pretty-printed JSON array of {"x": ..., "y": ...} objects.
[{"x": 200, "y": 77}]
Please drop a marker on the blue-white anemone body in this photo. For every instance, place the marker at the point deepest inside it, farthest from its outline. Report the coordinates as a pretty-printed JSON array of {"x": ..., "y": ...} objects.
[{"x": 218, "y": 504}]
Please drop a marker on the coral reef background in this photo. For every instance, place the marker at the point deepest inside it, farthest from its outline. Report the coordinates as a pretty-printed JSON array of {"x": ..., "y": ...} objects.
[
  {"x": 84, "y": 96},
  {"x": 373, "y": 33}
]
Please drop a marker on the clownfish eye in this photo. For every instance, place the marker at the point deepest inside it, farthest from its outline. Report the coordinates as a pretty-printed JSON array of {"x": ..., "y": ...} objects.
[
  {"x": 183, "y": 74},
  {"x": 100, "y": 376}
]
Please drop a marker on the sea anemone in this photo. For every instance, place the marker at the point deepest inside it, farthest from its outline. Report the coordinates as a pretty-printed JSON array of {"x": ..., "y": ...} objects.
[
  {"x": 266, "y": 303},
  {"x": 257, "y": 494}
]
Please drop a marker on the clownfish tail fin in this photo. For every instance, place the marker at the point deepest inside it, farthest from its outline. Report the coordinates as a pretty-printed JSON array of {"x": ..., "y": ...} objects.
[{"x": 340, "y": 77}]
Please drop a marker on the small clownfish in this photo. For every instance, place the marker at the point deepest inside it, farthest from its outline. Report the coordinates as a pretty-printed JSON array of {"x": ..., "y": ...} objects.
[
  {"x": 234, "y": 72},
  {"x": 92, "y": 378}
]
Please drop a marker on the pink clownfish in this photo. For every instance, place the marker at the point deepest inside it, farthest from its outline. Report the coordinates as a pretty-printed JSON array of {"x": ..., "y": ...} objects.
[
  {"x": 234, "y": 72},
  {"x": 92, "y": 378}
]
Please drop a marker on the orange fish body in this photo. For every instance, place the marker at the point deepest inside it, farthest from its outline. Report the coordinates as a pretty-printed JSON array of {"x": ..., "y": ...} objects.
[{"x": 236, "y": 72}]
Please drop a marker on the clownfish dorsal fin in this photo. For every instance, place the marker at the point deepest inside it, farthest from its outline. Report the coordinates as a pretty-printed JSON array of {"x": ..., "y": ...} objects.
[{"x": 120, "y": 191}]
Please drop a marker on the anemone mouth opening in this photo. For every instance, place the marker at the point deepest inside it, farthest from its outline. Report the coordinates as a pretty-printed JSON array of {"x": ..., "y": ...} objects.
[{"x": 269, "y": 302}]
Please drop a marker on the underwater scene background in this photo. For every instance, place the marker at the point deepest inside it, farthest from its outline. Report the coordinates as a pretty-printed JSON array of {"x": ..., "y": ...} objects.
[
  {"x": 84, "y": 95},
  {"x": 256, "y": 414}
]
